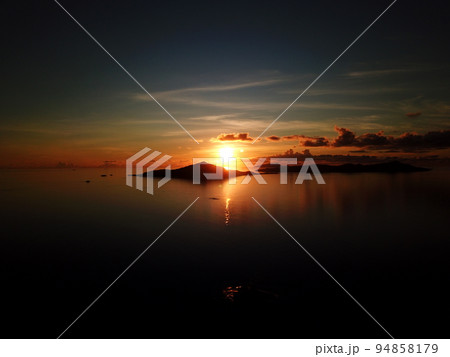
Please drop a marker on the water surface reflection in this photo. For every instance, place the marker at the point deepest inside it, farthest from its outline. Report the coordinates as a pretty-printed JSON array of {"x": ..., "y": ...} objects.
[{"x": 227, "y": 212}]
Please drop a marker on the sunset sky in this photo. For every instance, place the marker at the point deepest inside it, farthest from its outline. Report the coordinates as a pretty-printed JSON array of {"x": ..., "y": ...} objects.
[{"x": 224, "y": 71}]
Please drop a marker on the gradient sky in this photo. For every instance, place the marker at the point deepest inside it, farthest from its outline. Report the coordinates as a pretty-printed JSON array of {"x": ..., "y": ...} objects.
[{"x": 220, "y": 68}]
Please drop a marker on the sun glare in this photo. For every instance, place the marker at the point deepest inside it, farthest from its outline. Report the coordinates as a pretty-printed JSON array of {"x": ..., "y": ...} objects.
[{"x": 226, "y": 152}]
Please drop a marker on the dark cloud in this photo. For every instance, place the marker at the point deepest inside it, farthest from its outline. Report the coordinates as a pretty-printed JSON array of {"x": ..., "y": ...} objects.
[
  {"x": 406, "y": 142},
  {"x": 370, "y": 139},
  {"x": 242, "y": 137},
  {"x": 410, "y": 142},
  {"x": 292, "y": 137},
  {"x": 273, "y": 138},
  {"x": 315, "y": 141},
  {"x": 284, "y": 138},
  {"x": 432, "y": 139},
  {"x": 413, "y": 115},
  {"x": 312, "y": 141},
  {"x": 345, "y": 137}
]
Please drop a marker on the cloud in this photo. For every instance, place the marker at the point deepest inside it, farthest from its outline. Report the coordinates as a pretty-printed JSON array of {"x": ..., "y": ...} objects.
[
  {"x": 413, "y": 115},
  {"x": 283, "y": 138},
  {"x": 312, "y": 141},
  {"x": 221, "y": 87},
  {"x": 273, "y": 138},
  {"x": 240, "y": 137},
  {"x": 341, "y": 92},
  {"x": 197, "y": 99},
  {"x": 409, "y": 142},
  {"x": 372, "y": 139},
  {"x": 345, "y": 137},
  {"x": 406, "y": 142},
  {"x": 378, "y": 72},
  {"x": 215, "y": 118},
  {"x": 432, "y": 139},
  {"x": 315, "y": 141}
]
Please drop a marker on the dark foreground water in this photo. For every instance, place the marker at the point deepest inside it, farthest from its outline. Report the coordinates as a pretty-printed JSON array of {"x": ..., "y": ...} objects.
[{"x": 225, "y": 269}]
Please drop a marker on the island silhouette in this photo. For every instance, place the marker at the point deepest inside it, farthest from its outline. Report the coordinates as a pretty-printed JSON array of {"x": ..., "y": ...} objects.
[{"x": 392, "y": 167}]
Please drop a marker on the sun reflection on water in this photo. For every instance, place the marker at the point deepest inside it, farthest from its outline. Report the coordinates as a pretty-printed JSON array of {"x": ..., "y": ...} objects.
[
  {"x": 230, "y": 292},
  {"x": 227, "y": 212}
]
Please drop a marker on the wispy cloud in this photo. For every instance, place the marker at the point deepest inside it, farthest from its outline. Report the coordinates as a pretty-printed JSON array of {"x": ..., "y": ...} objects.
[
  {"x": 263, "y": 105},
  {"x": 379, "y": 72},
  {"x": 215, "y": 118},
  {"x": 221, "y": 88},
  {"x": 345, "y": 91},
  {"x": 182, "y": 94},
  {"x": 307, "y": 141}
]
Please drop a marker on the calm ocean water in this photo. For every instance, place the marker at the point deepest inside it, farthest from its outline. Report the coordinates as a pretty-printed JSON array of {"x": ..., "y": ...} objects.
[{"x": 225, "y": 269}]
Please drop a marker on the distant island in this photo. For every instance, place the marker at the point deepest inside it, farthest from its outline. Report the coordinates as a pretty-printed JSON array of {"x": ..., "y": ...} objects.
[
  {"x": 188, "y": 171},
  {"x": 387, "y": 167}
]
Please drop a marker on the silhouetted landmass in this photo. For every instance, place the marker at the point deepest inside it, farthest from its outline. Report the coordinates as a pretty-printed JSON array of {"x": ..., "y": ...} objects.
[
  {"x": 187, "y": 172},
  {"x": 387, "y": 167}
]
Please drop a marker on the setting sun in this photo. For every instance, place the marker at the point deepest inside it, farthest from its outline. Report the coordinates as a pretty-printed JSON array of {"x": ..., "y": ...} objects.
[
  {"x": 226, "y": 152},
  {"x": 227, "y": 155}
]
